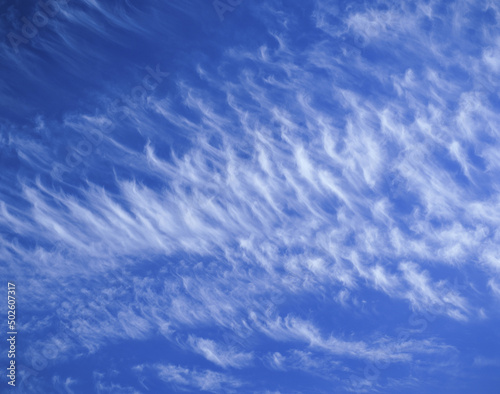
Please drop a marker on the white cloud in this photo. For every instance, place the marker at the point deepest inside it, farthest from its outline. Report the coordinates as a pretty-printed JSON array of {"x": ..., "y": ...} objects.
[
  {"x": 291, "y": 179},
  {"x": 205, "y": 380},
  {"x": 220, "y": 354}
]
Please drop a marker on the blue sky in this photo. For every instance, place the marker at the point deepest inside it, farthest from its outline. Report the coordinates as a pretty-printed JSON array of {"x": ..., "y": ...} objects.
[{"x": 251, "y": 197}]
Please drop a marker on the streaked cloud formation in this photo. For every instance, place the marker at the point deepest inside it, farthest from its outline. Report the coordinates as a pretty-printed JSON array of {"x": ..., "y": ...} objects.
[{"x": 308, "y": 181}]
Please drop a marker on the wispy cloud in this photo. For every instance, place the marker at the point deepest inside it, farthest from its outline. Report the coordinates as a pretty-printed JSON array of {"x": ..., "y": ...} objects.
[
  {"x": 218, "y": 354},
  {"x": 185, "y": 378},
  {"x": 352, "y": 169}
]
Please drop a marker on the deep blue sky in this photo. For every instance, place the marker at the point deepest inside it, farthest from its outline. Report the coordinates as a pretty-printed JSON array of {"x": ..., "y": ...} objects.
[{"x": 264, "y": 197}]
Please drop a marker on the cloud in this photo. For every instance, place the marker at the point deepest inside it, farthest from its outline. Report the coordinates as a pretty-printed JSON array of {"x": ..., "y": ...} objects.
[
  {"x": 219, "y": 354},
  {"x": 205, "y": 380},
  {"x": 425, "y": 295},
  {"x": 345, "y": 159}
]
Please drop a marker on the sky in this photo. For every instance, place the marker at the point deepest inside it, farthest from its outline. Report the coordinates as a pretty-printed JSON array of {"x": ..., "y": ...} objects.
[{"x": 240, "y": 196}]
